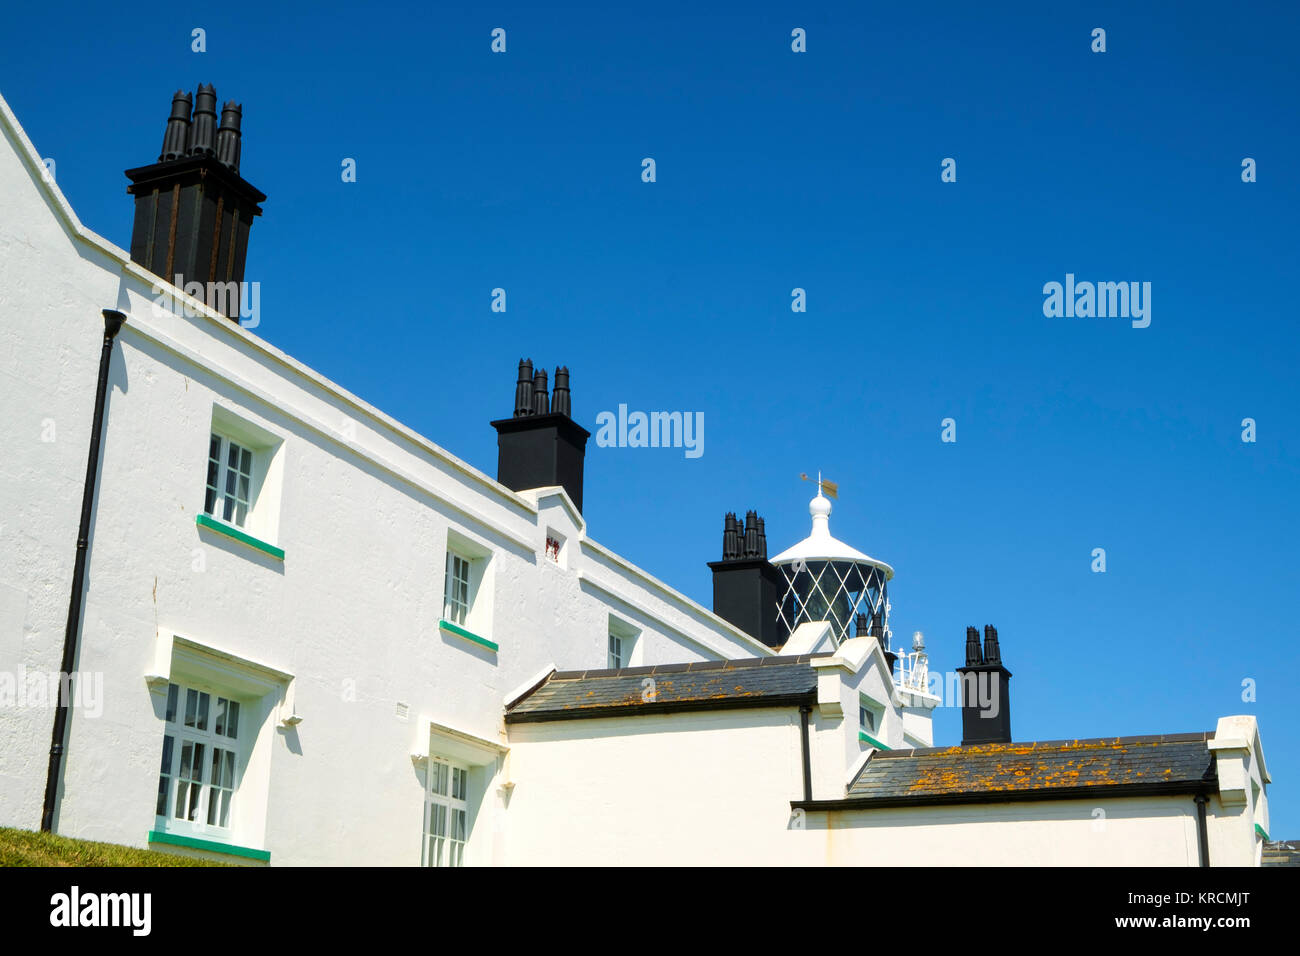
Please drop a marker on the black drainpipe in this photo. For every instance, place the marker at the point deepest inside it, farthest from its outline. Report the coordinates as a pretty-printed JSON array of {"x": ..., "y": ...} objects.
[
  {"x": 1202, "y": 830},
  {"x": 804, "y": 711},
  {"x": 112, "y": 325}
]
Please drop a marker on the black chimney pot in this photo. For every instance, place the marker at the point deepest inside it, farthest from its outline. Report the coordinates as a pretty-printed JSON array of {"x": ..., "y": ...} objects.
[
  {"x": 992, "y": 653},
  {"x": 176, "y": 136},
  {"x": 228, "y": 136},
  {"x": 751, "y": 534},
  {"x": 560, "y": 402},
  {"x": 524, "y": 389},
  {"x": 541, "y": 400},
  {"x": 730, "y": 537},
  {"x": 203, "y": 134}
]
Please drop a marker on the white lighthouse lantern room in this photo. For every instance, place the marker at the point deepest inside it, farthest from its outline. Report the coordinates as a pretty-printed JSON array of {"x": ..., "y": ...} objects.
[{"x": 827, "y": 580}]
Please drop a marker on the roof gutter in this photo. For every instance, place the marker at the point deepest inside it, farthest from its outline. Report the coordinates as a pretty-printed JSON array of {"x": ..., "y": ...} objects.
[
  {"x": 113, "y": 322},
  {"x": 668, "y": 707},
  {"x": 1171, "y": 789}
]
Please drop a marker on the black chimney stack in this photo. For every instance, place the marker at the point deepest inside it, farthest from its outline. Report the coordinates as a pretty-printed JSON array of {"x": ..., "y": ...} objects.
[
  {"x": 193, "y": 210},
  {"x": 541, "y": 445},
  {"x": 985, "y": 689},
  {"x": 745, "y": 584}
]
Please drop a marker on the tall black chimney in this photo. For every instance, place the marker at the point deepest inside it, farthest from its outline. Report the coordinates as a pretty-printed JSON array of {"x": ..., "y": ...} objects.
[
  {"x": 746, "y": 585},
  {"x": 985, "y": 690},
  {"x": 540, "y": 445},
  {"x": 193, "y": 210}
]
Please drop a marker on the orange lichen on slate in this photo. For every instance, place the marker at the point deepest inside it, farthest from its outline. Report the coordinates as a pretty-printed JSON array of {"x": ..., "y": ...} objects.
[{"x": 960, "y": 769}]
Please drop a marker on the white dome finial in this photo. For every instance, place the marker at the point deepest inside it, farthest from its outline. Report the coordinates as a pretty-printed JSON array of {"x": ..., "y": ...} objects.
[{"x": 820, "y": 509}]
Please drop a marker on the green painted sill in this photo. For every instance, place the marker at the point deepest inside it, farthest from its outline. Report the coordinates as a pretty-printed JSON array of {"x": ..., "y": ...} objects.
[
  {"x": 1260, "y": 830},
  {"x": 194, "y": 843},
  {"x": 451, "y": 628},
  {"x": 220, "y": 527},
  {"x": 866, "y": 738}
]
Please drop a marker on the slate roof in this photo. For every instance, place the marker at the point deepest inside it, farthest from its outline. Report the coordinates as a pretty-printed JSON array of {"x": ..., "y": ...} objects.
[
  {"x": 1059, "y": 769},
  {"x": 1281, "y": 853},
  {"x": 702, "y": 685}
]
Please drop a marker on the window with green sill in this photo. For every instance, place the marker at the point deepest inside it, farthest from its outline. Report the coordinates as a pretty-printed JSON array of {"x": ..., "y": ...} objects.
[
  {"x": 203, "y": 752},
  {"x": 871, "y": 715}
]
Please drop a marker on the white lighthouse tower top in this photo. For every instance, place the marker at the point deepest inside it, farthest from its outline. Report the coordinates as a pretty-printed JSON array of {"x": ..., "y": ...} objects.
[{"x": 821, "y": 545}]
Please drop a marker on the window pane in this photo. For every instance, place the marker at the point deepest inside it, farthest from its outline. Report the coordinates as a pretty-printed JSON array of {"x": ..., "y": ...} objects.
[
  {"x": 164, "y": 776},
  {"x": 232, "y": 477},
  {"x": 204, "y": 700},
  {"x": 223, "y": 782},
  {"x": 173, "y": 692},
  {"x": 438, "y": 778},
  {"x": 214, "y": 469},
  {"x": 232, "y": 720},
  {"x": 188, "y": 788},
  {"x": 164, "y": 783},
  {"x": 191, "y": 707},
  {"x": 223, "y": 817},
  {"x": 219, "y": 719},
  {"x": 458, "y": 783}
]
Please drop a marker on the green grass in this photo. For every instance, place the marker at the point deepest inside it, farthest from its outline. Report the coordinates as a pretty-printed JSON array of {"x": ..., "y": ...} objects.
[{"x": 29, "y": 848}]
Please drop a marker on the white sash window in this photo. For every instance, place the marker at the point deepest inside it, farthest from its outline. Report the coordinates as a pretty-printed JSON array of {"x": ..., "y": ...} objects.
[
  {"x": 199, "y": 776},
  {"x": 446, "y": 813}
]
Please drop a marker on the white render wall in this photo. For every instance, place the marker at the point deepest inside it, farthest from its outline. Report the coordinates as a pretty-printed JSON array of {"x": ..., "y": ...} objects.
[
  {"x": 351, "y": 614},
  {"x": 709, "y": 788},
  {"x": 1134, "y": 831}
]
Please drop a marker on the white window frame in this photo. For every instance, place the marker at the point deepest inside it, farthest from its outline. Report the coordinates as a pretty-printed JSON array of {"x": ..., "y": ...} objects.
[
  {"x": 446, "y": 813},
  {"x": 222, "y": 499},
  {"x": 628, "y": 637},
  {"x": 869, "y": 706},
  {"x": 458, "y": 588},
  {"x": 254, "y": 488},
  {"x": 475, "y": 560},
  {"x": 175, "y": 788}
]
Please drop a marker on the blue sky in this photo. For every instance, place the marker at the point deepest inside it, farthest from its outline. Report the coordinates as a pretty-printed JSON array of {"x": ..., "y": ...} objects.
[{"x": 821, "y": 171}]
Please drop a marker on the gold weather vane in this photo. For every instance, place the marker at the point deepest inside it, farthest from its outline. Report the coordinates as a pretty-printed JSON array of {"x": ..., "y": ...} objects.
[{"x": 828, "y": 488}]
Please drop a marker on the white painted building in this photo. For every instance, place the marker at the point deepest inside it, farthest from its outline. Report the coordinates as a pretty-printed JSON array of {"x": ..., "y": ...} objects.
[{"x": 312, "y": 636}]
